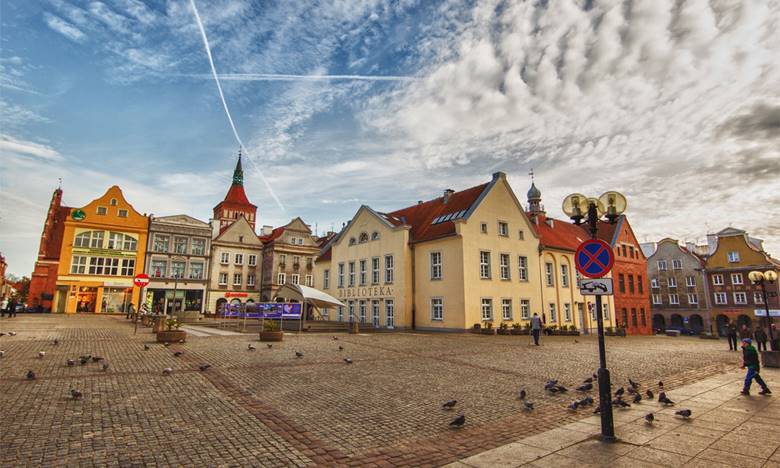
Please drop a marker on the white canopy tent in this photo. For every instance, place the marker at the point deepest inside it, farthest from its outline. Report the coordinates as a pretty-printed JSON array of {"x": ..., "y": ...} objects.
[{"x": 309, "y": 295}]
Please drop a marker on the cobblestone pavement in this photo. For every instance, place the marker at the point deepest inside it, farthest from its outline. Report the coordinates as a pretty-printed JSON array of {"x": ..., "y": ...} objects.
[{"x": 267, "y": 407}]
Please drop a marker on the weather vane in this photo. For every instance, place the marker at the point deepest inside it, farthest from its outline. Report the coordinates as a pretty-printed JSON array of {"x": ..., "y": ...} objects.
[{"x": 531, "y": 173}]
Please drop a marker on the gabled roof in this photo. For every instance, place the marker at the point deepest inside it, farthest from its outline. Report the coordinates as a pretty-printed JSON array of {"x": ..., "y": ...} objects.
[
  {"x": 609, "y": 232},
  {"x": 561, "y": 235},
  {"x": 274, "y": 235}
]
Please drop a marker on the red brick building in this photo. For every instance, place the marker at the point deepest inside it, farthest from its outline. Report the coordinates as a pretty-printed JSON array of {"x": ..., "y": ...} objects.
[
  {"x": 44, "y": 277},
  {"x": 235, "y": 204},
  {"x": 629, "y": 273}
]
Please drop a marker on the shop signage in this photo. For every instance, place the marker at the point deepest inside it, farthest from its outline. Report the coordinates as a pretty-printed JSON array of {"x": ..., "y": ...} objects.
[
  {"x": 269, "y": 310},
  {"x": 105, "y": 252},
  {"x": 78, "y": 215},
  {"x": 236, "y": 294},
  {"x": 371, "y": 291},
  {"x": 762, "y": 312}
]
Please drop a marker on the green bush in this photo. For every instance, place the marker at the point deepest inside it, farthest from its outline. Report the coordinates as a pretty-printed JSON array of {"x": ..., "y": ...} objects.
[
  {"x": 504, "y": 326},
  {"x": 270, "y": 326},
  {"x": 516, "y": 326}
]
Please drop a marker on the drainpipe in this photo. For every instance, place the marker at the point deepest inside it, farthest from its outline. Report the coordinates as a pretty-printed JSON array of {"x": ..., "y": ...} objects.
[{"x": 414, "y": 283}]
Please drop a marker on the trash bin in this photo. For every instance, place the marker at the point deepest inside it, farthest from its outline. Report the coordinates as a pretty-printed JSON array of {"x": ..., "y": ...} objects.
[{"x": 774, "y": 345}]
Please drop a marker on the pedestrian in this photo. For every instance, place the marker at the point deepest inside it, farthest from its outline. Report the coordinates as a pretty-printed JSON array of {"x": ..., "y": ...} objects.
[
  {"x": 760, "y": 336},
  {"x": 12, "y": 308},
  {"x": 731, "y": 334},
  {"x": 536, "y": 328},
  {"x": 750, "y": 360},
  {"x": 130, "y": 311},
  {"x": 744, "y": 332}
]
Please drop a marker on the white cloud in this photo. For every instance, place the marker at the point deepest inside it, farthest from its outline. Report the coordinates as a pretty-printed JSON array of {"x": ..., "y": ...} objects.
[
  {"x": 63, "y": 27},
  {"x": 9, "y": 144}
]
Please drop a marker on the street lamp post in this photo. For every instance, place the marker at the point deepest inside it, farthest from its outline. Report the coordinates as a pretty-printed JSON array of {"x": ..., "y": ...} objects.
[
  {"x": 760, "y": 279},
  {"x": 578, "y": 207}
]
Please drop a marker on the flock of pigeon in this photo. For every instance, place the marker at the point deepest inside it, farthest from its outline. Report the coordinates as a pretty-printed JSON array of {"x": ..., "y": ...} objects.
[{"x": 553, "y": 387}]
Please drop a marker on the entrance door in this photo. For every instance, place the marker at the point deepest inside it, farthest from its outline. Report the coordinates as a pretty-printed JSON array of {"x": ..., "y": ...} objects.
[
  {"x": 375, "y": 312},
  {"x": 389, "y": 313},
  {"x": 85, "y": 299},
  {"x": 581, "y": 314}
]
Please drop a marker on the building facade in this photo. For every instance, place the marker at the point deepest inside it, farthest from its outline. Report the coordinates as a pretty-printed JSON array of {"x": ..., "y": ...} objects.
[
  {"x": 234, "y": 276},
  {"x": 103, "y": 246},
  {"x": 678, "y": 288},
  {"x": 734, "y": 297},
  {"x": 43, "y": 281},
  {"x": 177, "y": 261},
  {"x": 288, "y": 256}
]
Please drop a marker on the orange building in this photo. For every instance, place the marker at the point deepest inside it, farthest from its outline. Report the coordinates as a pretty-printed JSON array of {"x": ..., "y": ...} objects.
[
  {"x": 43, "y": 281},
  {"x": 103, "y": 246}
]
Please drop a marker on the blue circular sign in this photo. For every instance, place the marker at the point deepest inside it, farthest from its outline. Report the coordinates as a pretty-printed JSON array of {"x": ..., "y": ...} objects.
[{"x": 594, "y": 258}]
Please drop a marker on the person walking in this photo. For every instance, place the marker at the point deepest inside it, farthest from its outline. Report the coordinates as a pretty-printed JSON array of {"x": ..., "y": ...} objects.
[
  {"x": 536, "y": 328},
  {"x": 750, "y": 360},
  {"x": 760, "y": 336},
  {"x": 744, "y": 332},
  {"x": 130, "y": 311},
  {"x": 12, "y": 308},
  {"x": 731, "y": 334}
]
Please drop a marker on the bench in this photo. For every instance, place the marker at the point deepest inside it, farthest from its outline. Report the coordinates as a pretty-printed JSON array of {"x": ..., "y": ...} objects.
[{"x": 672, "y": 332}]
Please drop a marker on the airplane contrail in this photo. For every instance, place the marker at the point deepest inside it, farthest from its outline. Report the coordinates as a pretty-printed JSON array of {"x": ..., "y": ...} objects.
[
  {"x": 225, "y": 106},
  {"x": 288, "y": 77}
]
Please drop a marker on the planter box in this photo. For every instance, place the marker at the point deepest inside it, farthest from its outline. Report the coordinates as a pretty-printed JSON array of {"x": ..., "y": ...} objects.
[
  {"x": 487, "y": 331},
  {"x": 504, "y": 331},
  {"x": 173, "y": 336},
  {"x": 518, "y": 331},
  {"x": 770, "y": 358},
  {"x": 271, "y": 335},
  {"x": 672, "y": 332}
]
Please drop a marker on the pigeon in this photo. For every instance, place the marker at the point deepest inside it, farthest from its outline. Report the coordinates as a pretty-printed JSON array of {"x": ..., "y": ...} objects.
[
  {"x": 650, "y": 394},
  {"x": 335, "y": 338},
  {"x": 597, "y": 410},
  {"x": 631, "y": 391},
  {"x": 105, "y": 366},
  {"x": 166, "y": 344},
  {"x": 459, "y": 421},
  {"x": 449, "y": 404},
  {"x": 96, "y": 358},
  {"x": 146, "y": 347},
  {"x": 250, "y": 347},
  {"x": 588, "y": 380},
  {"x": 619, "y": 392},
  {"x": 83, "y": 360},
  {"x": 562, "y": 389},
  {"x": 348, "y": 360},
  {"x": 586, "y": 387},
  {"x": 595, "y": 377},
  {"x": 649, "y": 418},
  {"x": 587, "y": 401},
  {"x": 30, "y": 375},
  {"x": 56, "y": 341},
  {"x": 41, "y": 354},
  {"x": 2, "y": 334},
  {"x": 270, "y": 345},
  {"x": 298, "y": 354},
  {"x": 620, "y": 403},
  {"x": 75, "y": 394},
  {"x": 660, "y": 384},
  {"x": 167, "y": 371},
  {"x": 552, "y": 389},
  {"x": 575, "y": 341},
  {"x": 574, "y": 405},
  {"x": 633, "y": 384},
  {"x": 11, "y": 333},
  {"x": 204, "y": 367},
  {"x": 637, "y": 398},
  {"x": 662, "y": 399},
  {"x": 685, "y": 413},
  {"x": 550, "y": 383},
  {"x": 528, "y": 405},
  {"x": 181, "y": 341},
  {"x": 178, "y": 353},
  {"x": 341, "y": 348},
  {"x": 522, "y": 394},
  {"x": 2, "y": 353}
]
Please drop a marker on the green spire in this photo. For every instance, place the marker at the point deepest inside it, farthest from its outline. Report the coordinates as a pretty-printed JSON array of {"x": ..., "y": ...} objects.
[{"x": 238, "y": 174}]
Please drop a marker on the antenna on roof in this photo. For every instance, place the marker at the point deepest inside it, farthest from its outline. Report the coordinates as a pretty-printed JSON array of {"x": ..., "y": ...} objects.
[{"x": 531, "y": 173}]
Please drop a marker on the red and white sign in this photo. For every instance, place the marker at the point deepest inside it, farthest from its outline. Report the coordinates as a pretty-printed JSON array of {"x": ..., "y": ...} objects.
[
  {"x": 235, "y": 294},
  {"x": 141, "y": 280}
]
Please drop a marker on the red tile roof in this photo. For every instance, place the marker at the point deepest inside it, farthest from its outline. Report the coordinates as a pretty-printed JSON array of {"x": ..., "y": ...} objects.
[
  {"x": 419, "y": 216},
  {"x": 607, "y": 231},
  {"x": 237, "y": 195},
  {"x": 270, "y": 237},
  {"x": 561, "y": 235}
]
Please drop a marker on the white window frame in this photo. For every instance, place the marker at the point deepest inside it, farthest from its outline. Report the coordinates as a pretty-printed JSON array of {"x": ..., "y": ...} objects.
[
  {"x": 654, "y": 283},
  {"x": 717, "y": 280},
  {"x": 676, "y": 264},
  {"x": 737, "y": 279},
  {"x": 198, "y": 246},
  {"x": 281, "y": 278},
  {"x": 758, "y": 298},
  {"x": 340, "y": 279},
  {"x": 740, "y": 294},
  {"x": 363, "y": 272},
  {"x": 522, "y": 267},
  {"x": 525, "y": 309},
  {"x": 437, "y": 309},
  {"x": 351, "y": 274},
  {"x": 671, "y": 282},
  {"x": 504, "y": 267},
  {"x": 224, "y": 258},
  {"x": 362, "y": 310},
  {"x": 506, "y": 308},
  {"x": 693, "y": 298},
  {"x": 566, "y": 312},
  {"x": 484, "y": 264},
  {"x": 192, "y": 271},
  {"x": 551, "y": 308},
  {"x": 308, "y": 280},
  {"x": 326, "y": 279},
  {"x": 223, "y": 277},
  {"x": 435, "y": 265},
  {"x": 250, "y": 279},
  {"x": 375, "y": 312},
  {"x": 721, "y": 298},
  {"x": 690, "y": 281},
  {"x": 389, "y": 313},
  {"x": 127, "y": 267},
  {"x": 549, "y": 274},
  {"x": 674, "y": 299},
  {"x": 237, "y": 279},
  {"x": 78, "y": 264},
  {"x": 656, "y": 299},
  {"x": 252, "y": 260},
  {"x": 733, "y": 256},
  {"x": 661, "y": 265},
  {"x": 238, "y": 259},
  {"x": 295, "y": 278},
  {"x": 389, "y": 270},
  {"x": 503, "y": 229},
  {"x": 487, "y": 309},
  {"x": 564, "y": 275},
  {"x": 375, "y": 274}
]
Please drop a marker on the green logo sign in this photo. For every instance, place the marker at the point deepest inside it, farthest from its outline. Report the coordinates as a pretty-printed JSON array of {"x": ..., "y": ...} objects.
[{"x": 78, "y": 215}]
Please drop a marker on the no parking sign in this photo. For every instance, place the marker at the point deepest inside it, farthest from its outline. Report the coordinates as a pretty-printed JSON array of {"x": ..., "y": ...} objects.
[{"x": 594, "y": 258}]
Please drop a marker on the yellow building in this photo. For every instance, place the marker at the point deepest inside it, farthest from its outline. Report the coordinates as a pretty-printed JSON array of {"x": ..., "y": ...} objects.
[{"x": 103, "y": 247}]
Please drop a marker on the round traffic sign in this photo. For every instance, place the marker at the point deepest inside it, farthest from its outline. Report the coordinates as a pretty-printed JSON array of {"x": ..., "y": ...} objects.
[
  {"x": 141, "y": 280},
  {"x": 594, "y": 258}
]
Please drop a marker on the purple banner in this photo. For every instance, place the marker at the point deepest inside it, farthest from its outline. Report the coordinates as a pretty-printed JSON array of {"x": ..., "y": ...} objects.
[{"x": 269, "y": 310}]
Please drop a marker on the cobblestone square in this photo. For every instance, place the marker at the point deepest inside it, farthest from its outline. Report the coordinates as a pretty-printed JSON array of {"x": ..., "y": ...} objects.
[{"x": 269, "y": 408}]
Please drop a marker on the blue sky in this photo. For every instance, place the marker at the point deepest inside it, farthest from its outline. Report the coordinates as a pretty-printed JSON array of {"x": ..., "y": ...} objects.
[{"x": 343, "y": 103}]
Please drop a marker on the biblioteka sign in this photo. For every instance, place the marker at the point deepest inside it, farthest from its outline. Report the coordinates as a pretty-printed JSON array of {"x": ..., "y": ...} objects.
[{"x": 368, "y": 291}]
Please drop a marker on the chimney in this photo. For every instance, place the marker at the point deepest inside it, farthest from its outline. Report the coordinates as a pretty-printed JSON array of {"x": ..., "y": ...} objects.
[
  {"x": 266, "y": 230},
  {"x": 691, "y": 246},
  {"x": 447, "y": 194},
  {"x": 419, "y": 202}
]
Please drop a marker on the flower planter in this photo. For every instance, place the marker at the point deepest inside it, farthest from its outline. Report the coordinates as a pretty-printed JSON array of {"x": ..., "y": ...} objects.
[
  {"x": 171, "y": 336},
  {"x": 487, "y": 331},
  {"x": 518, "y": 331},
  {"x": 504, "y": 331},
  {"x": 271, "y": 335}
]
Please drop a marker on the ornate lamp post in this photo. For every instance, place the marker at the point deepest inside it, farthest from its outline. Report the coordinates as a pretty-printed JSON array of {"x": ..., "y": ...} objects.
[
  {"x": 580, "y": 208},
  {"x": 761, "y": 279}
]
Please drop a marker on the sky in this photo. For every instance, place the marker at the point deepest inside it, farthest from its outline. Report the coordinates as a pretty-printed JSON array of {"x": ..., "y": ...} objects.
[{"x": 675, "y": 103}]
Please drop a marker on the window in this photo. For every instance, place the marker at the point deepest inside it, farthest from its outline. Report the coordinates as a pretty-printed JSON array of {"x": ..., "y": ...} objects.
[
  {"x": 435, "y": 265},
  {"x": 82, "y": 239},
  {"x": 548, "y": 274},
  {"x": 389, "y": 313},
  {"x": 623, "y": 248},
  {"x": 720, "y": 298},
  {"x": 717, "y": 280},
  {"x": 363, "y": 237},
  {"x": 389, "y": 262},
  {"x": 128, "y": 267},
  {"x": 662, "y": 265},
  {"x": 374, "y": 236},
  {"x": 484, "y": 265},
  {"x": 293, "y": 240},
  {"x": 736, "y": 278},
  {"x": 758, "y": 298},
  {"x": 522, "y": 269},
  {"x": 326, "y": 279},
  {"x": 520, "y": 234},
  {"x": 676, "y": 264},
  {"x": 295, "y": 278},
  {"x": 362, "y": 309},
  {"x": 633, "y": 318},
  {"x": 672, "y": 282},
  {"x": 340, "y": 314},
  {"x": 112, "y": 202},
  {"x": 102, "y": 210},
  {"x": 122, "y": 213},
  {"x": 690, "y": 281},
  {"x": 160, "y": 243},
  {"x": 506, "y": 309},
  {"x": 96, "y": 265},
  {"x": 198, "y": 247},
  {"x": 112, "y": 266},
  {"x": 375, "y": 270},
  {"x": 525, "y": 309},
  {"x": 565, "y": 276},
  {"x": 363, "y": 273},
  {"x": 238, "y": 259},
  {"x": 159, "y": 267},
  {"x": 309, "y": 281},
  {"x": 250, "y": 279},
  {"x": 375, "y": 312},
  {"x": 115, "y": 240},
  {"x": 180, "y": 245},
  {"x": 624, "y": 316},
  {"x": 177, "y": 269},
  {"x": 282, "y": 259},
  {"x": 252, "y": 260},
  {"x": 487, "y": 308},
  {"x": 693, "y": 299},
  {"x": 309, "y": 262},
  {"x": 503, "y": 229},
  {"x": 236, "y": 279},
  {"x": 224, "y": 258},
  {"x": 733, "y": 257},
  {"x": 503, "y": 266},
  {"x": 483, "y": 228},
  {"x": 674, "y": 299},
  {"x": 341, "y": 275},
  {"x": 605, "y": 308},
  {"x": 223, "y": 279},
  {"x": 351, "y": 274},
  {"x": 631, "y": 251},
  {"x": 553, "y": 312},
  {"x": 567, "y": 312},
  {"x": 281, "y": 278},
  {"x": 640, "y": 284},
  {"x": 621, "y": 283},
  {"x": 642, "y": 317},
  {"x": 437, "y": 308},
  {"x": 656, "y": 298},
  {"x": 654, "y": 283},
  {"x": 296, "y": 260},
  {"x": 352, "y": 241},
  {"x": 97, "y": 240},
  {"x": 740, "y": 297},
  {"x": 196, "y": 270},
  {"x": 78, "y": 265},
  {"x": 631, "y": 284}
]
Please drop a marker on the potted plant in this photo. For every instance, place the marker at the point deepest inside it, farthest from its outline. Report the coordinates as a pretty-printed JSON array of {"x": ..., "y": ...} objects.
[
  {"x": 271, "y": 332},
  {"x": 488, "y": 329},
  {"x": 503, "y": 328},
  {"x": 610, "y": 331},
  {"x": 517, "y": 329},
  {"x": 171, "y": 334}
]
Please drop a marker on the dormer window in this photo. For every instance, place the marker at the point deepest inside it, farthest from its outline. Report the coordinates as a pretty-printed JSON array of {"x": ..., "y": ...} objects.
[
  {"x": 113, "y": 202},
  {"x": 363, "y": 237}
]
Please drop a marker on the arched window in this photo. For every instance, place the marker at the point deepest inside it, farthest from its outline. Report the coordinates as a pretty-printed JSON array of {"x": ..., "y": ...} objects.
[
  {"x": 374, "y": 236},
  {"x": 113, "y": 202},
  {"x": 363, "y": 237},
  {"x": 352, "y": 241},
  {"x": 91, "y": 239}
]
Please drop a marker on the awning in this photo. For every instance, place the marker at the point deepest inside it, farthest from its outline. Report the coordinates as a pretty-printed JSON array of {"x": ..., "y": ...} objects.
[{"x": 311, "y": 296}]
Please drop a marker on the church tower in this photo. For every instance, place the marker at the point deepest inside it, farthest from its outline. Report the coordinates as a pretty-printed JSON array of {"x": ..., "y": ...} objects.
[
  {"x": 534, "y": 195},
  {"x": 235, "y": 204}
]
